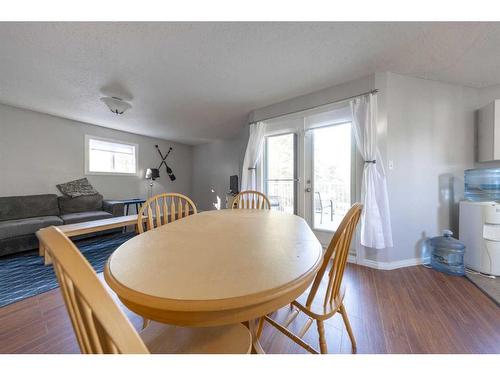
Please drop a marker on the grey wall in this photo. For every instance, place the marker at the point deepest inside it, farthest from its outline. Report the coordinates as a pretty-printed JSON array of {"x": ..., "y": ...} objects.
[
  {"x": 430, "y": 139},
  {"x": 427, "y": 129},
  {"x": 488, "y": 95},
  {"x": 38, "y": 151},
  {"x": 213, "y": 163},
  {"x": 314, "y": 99}
]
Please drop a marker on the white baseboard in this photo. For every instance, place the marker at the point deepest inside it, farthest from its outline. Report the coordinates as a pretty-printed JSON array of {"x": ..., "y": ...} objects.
[
  {"x": 352, "y": 258},
  {"x": 388, "y": 265}
]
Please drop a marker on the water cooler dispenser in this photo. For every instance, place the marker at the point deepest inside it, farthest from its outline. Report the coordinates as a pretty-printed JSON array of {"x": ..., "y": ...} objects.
[{"x": 480, "y": 232}]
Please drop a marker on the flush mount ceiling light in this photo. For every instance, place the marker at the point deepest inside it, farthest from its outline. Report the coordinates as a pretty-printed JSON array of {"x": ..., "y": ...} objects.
[{"x": 116, "y": 105}]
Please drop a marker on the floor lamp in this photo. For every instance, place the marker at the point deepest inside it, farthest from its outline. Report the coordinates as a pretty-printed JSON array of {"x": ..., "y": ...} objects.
[{"x": 151, "y": 175}]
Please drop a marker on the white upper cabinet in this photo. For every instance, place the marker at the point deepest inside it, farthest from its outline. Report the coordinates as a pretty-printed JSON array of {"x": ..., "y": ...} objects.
[{"x": 488, "y": 132}]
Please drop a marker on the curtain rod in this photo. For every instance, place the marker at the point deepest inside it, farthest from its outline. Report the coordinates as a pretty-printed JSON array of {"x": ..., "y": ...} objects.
[{"x": 321, "y": 105}]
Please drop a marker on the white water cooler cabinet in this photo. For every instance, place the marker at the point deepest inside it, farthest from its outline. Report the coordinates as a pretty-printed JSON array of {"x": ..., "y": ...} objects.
[{"x": 480, "y": 233}]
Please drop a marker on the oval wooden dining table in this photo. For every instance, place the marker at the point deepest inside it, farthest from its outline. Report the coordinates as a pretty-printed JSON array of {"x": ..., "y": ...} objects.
[{"x": 216, "y": 268}]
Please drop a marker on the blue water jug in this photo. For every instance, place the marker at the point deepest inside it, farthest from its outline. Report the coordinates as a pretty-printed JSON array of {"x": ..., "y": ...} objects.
[
  {"x": 482, "y": 184},
  {"x": 447, "y": 254}
]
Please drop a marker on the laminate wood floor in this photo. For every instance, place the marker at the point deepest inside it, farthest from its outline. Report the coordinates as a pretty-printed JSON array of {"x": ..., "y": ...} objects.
[{"x": 408, "y": 310}]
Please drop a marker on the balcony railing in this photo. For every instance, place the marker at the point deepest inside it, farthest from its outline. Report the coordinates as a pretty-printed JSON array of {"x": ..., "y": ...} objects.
[{"x": 281, "y": 195}]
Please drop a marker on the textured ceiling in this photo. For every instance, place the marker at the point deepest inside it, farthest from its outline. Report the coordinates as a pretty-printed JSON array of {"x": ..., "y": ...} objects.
[{"x": 195, "y": 82}]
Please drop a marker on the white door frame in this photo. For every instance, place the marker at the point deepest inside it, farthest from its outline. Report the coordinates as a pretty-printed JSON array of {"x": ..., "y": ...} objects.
[{"x": 300, "y": 124}]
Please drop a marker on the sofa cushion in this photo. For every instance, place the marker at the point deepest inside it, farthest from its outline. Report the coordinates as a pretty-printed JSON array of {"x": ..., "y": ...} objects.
[
  {"x": 13, "y": 245},
  {"x": 80, "y": 217},
  {"x": 20, "y": 227},
  {"x": 20, "y": 207},
  {"x": 69, "y": 205}
]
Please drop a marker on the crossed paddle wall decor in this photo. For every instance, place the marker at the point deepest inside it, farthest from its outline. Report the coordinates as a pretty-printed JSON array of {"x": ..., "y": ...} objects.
[{"x": 163, "y": 162}]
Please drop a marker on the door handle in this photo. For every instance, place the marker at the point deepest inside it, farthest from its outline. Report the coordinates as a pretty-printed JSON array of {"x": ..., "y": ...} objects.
[{"x": 308, "y": 190}]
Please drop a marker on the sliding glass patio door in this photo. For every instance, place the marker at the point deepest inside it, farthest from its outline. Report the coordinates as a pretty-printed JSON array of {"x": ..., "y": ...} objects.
[
  {"x": 308, "y": 169},
  {"x": 280, "y": 172},
  {"x": 328, "y": 178}
]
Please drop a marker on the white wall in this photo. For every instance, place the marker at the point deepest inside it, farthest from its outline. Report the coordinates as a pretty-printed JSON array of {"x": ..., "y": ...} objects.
[
  {"x": 430, "y": 139},
  {"x": 38, "y": 151},
  {"x": 213, "y": 163}
]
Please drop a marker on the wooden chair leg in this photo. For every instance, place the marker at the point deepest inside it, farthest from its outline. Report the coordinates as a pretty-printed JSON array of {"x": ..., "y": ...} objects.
[
  {"x": 47, "y": 258},
  {"x": 256, "y": 346},
  {"x": 42, "y": 251},
  {"x": 322, "y": 340},
  {"x": 145, "y": 323},
  {"x": 260, "y": 327},
  {"x": 343, "y": 312},
  {"x": 291, "y": 335}
]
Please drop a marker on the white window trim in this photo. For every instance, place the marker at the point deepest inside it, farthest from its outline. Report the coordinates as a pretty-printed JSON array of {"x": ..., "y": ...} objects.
[{"x": 88, "y": 172}]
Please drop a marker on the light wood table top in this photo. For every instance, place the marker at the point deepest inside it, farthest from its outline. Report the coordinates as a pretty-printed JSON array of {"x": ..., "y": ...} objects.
[{"x": 216, "y": 267}]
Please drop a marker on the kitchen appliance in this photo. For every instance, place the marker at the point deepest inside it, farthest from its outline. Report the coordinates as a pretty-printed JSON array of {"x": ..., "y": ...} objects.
[{"x": 480, "y": 233}]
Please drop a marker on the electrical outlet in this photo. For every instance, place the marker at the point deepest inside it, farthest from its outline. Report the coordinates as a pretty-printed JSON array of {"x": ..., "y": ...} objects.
[{"x": 391, "y": 164}]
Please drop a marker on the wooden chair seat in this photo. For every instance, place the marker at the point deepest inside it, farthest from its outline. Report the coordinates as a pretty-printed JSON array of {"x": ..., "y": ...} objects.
[
  {"x": 165, "y": 339},
  {"x": 318, "y": 310}
]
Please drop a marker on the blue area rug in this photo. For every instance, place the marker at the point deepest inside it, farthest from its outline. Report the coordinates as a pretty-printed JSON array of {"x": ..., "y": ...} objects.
[{"x": 24, "y": 275}]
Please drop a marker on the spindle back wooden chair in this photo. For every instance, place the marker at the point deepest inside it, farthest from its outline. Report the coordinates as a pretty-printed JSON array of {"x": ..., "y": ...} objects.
[
  {"x": 100, "y": 325},
  {"x": 250, "y": 199},
  {"x": 163, "y": 209},
  {"x": 338, "y": 251}
]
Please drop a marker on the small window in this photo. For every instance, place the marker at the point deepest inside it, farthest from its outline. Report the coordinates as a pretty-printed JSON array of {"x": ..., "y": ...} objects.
[{"x": 107, "y": 156}]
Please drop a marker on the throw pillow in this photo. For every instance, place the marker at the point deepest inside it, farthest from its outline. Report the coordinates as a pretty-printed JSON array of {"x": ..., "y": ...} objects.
[{"x": 77, "y": 188}]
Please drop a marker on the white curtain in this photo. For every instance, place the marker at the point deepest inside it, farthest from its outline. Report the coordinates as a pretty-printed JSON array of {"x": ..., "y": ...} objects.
[
  {"x": 376, "y": 229},
  {"x": 252, "y": 156}
]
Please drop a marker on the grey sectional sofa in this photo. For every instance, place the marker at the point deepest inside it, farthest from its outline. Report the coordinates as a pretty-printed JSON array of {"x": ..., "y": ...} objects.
[{"x": 22, "y": 216}]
